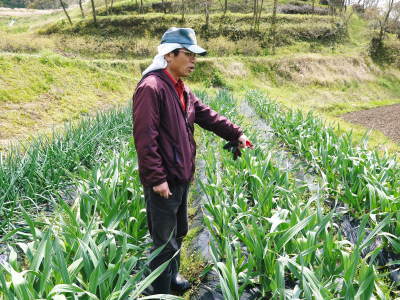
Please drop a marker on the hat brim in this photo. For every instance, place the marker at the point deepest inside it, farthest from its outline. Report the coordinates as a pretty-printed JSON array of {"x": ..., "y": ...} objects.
[{"x": 195, "y": 49}]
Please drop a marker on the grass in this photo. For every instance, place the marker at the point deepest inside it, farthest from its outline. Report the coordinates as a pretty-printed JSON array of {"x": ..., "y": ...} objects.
[
  {"x": 333, "y": 80},
  {"x": 40, "y": 92},
  {"x": 192, "y": 263},
  {"x": 116, "y": 40},
  {"x": 45, "y": 98},
  {"x": 313, "y": 83}
]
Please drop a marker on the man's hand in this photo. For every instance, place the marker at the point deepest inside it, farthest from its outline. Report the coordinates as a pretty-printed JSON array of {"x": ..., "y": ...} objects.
[
  {"x": 163, "y": 190},
  {"x": 244, "y": 142}
]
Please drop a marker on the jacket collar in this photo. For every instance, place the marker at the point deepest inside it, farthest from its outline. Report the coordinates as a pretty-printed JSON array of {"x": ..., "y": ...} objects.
[{"x": 160, "y": 74}]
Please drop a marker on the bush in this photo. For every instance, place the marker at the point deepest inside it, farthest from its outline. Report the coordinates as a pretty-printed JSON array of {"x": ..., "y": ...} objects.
[
  {"x": 44, "y": 4},
  {"x": 24, "y": 43},
  {"x": 393, "y": 52},
  {"x": 384, "y": 53},
  {"x": 232, "y": 34},
  {"x": 216, "y": 80},
  {"x": 300, "y": 8}
]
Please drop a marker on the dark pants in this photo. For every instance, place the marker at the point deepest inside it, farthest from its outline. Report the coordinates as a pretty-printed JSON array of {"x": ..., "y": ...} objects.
[{"x": 168, "y": 225}]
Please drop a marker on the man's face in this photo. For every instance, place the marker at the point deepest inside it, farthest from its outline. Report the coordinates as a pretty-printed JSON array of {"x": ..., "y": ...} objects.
[{"x": 182, "y": 64}]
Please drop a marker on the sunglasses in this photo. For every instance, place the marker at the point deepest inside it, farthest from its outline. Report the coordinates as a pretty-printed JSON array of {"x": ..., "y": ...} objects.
[{"x": 188, "y": 54}]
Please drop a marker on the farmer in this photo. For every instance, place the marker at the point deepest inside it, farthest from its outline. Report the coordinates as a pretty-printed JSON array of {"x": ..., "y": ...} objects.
[{"x": 164, "y": 113}]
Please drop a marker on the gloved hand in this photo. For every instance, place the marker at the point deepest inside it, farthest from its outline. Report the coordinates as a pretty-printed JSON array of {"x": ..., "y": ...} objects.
[{"x": 234, "y": 147}]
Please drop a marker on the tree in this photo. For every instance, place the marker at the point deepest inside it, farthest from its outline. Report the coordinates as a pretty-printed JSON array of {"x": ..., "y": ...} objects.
[
  {"x": 94, "y": 12},
  {"x": 65, "y": 11},
  {"x": 81, "y": 7},
  {"x": 384, "y": 20},
  {"x": 207, "y": 13},
  {"x": 364, "y": 4},
  {"x": 273, "y": 26},
  {"x": 395, "y": 22},
  {"x": 377, "y": 47},
  {"x": 257, "y": 9},
  {"x": 183, "y": 11},
  {"x": 106, "y": 3}
]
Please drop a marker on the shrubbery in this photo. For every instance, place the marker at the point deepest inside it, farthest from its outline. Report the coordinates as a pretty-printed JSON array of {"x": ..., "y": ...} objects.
[
  {"x": 301, "y": 8},
  {"x": 232, "y": 27},
  {"x": 385, "y": 52}
]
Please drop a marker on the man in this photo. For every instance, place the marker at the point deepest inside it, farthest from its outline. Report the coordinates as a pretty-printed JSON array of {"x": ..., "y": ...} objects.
[{"x": 164, "y": 113}]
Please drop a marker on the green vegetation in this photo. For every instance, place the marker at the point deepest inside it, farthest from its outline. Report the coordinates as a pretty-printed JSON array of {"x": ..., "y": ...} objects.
[
  {"x": 40, "y": 92},
  {"x": 270, "y": 230},
  {"x": 30, "y": 174},
  {"x": 12, "y": 3},
  {"x": 93, "y": 249},
  {"x": 233, "y": 27},
  {"x": 363, "y": 179},
  {"x": 277, "y": 235}
]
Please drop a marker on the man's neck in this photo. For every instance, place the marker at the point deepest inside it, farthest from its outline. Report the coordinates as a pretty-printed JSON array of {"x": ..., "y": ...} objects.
[{"x": 172, "y": 74}]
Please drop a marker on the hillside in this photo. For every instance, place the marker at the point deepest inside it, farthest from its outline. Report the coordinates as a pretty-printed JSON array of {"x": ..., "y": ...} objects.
[{"x": 319, "y": 61}]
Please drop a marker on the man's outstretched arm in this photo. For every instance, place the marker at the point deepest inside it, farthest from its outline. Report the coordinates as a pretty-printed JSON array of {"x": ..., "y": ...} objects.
[{"x": 210, "y": 120}]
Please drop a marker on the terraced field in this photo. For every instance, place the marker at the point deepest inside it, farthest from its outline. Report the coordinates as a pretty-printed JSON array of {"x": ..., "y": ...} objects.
[
  {"x": 307, "y": 214},
  {"x": 312, "y": 212}
]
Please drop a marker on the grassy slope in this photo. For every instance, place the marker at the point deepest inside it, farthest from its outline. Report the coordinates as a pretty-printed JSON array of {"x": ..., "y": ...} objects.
[
  {"x": 324, "y": 77},
  {"x": 38, "y": 92},
  {"x": 327, "y": 91}
]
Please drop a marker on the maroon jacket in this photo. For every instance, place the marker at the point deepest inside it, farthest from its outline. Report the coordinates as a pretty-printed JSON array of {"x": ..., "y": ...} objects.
[{"x": 163, "y": 132}]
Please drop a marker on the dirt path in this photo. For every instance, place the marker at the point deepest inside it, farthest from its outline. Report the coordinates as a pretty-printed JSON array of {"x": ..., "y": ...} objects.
[
  {"x": 385, "y": 119},
  {"x": 22, "y": 12}
]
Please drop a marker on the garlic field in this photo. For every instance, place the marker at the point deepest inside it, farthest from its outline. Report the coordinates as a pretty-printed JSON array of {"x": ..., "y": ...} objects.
[{"x": 326, "y": 226}]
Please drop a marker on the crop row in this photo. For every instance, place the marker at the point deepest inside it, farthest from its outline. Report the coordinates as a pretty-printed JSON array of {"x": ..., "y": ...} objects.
[
  {"x": 92, "y": 250},
  {"x": 30, "y": 173},
  {"x": 364, "y": 179},
  {"x": 269, "y": 233}
]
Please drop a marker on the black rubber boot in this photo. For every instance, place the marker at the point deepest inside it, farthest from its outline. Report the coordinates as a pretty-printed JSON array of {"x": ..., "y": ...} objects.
[
  {"x": 162, "y": 285},
  {"x": 178, "y": 283}
]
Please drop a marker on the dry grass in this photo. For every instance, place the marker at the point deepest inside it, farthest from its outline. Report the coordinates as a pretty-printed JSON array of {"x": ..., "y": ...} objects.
[
  {"x": 25, "y": 42},
  {"x": 222, "y": 46},
  {"x": 323, "y": 70},
  {"x": 82, "y": 46}
]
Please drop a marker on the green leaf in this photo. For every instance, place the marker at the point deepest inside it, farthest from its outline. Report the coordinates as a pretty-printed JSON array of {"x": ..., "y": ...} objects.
[
  {"x": 70, "y": 288},
  {"x": 367, "y": 280},
  {"x": 149, "y": 279},
  {"x": 289, "y": 234},
  {"x": 74, "y": 268}
]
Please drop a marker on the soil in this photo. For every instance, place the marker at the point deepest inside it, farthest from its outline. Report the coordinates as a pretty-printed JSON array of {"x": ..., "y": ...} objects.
[{"x": 385, "y": 119}]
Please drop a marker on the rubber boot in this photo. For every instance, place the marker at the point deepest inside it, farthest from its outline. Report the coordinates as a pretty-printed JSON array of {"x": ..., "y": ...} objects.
[{"x": 162, "y": 285}]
